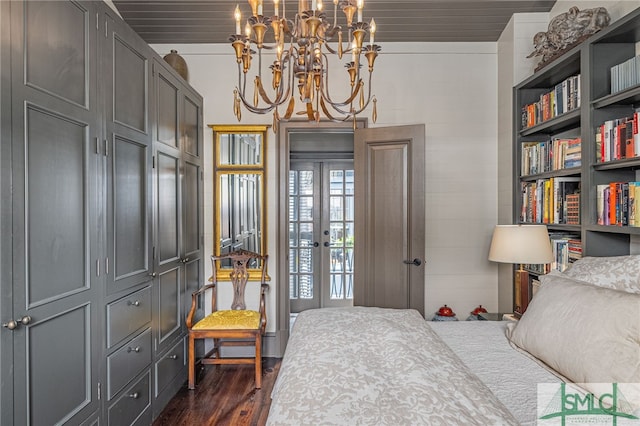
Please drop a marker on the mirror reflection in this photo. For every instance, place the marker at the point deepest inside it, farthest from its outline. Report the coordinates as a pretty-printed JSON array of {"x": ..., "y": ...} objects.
[
  {"x": 240, "y": 212},
  {"x": 240, "y": 149}
]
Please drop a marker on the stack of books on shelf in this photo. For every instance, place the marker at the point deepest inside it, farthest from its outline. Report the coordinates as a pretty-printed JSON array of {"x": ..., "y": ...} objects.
[
  {"x": 564, "y": 97},
  {"x": 617, "y": 203},
  {"x": 546, "y": 201},
  {"x": 555, "y": 154},
  {"x": 618, "y": 139},
  {"x": 567, "y": 248},
  {"x": 625, "y": 75}
]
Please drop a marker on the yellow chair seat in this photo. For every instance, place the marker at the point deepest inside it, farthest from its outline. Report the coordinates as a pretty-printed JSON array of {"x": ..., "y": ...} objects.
[{"x": 230, "y": 320}]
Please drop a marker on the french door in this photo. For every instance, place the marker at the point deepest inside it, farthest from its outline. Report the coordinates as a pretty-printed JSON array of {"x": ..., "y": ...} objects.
[{"x": 321, "y": 229}]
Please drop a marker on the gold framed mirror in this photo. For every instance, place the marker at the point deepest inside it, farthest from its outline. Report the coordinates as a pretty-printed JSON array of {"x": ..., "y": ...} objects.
[{"x": 239, "y": 197}]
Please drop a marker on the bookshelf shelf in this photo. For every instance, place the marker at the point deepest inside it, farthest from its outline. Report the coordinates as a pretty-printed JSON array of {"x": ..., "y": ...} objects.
[
  {"x": 572, "y": 171},
  {"x": 554, "y": 125},
  {"x": 592, "y": 61},
  {"x": 626, "y": 97}
]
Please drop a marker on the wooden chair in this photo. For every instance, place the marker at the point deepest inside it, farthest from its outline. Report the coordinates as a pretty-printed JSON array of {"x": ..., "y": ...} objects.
[{"x": 237, "y": 326}]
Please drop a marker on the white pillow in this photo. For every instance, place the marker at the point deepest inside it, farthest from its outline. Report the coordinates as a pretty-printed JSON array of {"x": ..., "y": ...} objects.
[
  {"x": 617, "y": 272},
  {"x": 588, "y": 334}
]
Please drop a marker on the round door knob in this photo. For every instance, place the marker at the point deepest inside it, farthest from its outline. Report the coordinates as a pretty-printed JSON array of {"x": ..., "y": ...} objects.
[
  {"x": 134, "y": 395},
  {"x": 316, "y": 244},
  {"x": 25, "y": 320},
  {"x": 173, "y": 356},
  {"x": 11, "y": 325},
  {"x": 136, "y": 303},
  {"x": 326, "y": 244},
  {"x": 136, "y": 349},
  {"x": 153, "y": 275}
]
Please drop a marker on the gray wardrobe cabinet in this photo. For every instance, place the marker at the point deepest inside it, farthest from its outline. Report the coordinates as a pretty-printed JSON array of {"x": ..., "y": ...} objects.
[{"x": 101, "y": 227}]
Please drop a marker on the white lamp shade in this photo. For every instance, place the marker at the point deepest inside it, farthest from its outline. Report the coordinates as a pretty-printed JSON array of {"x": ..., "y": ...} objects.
[{"x": 521, "y": 244}]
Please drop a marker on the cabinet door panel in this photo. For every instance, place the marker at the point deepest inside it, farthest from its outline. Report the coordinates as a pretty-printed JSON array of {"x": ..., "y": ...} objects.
[
  {"x": 169, "y": 304},
  {"x": 191, "y": 127},
  {"x": 130, "y": 214},
  {"x": 57, "y": 215},
  {"x": 168, "y": 207},
  {"x": 130, "y": 81},
  {"x": 167, "y": 111},
  {"x": 57, "y": 34},
  {"x": 59, "y": 366},
  {"x": 191, "y": 213}
]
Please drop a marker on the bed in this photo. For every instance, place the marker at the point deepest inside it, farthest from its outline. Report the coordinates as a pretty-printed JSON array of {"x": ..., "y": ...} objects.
[{"x": 375, "y": 366}]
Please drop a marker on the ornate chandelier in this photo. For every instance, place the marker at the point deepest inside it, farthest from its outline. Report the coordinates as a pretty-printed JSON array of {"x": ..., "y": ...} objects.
[{"x": 302, "y": 48}]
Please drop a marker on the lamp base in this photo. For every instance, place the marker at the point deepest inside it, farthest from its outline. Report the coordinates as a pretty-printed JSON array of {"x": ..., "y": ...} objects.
[{"x": 521, "y": 292}]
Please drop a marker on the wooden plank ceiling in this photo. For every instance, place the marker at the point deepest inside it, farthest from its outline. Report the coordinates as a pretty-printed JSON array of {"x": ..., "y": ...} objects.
[{"x": 211, "y": 21}]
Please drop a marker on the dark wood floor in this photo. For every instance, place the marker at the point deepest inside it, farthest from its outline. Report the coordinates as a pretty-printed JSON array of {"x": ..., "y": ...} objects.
[{"x": 224, "y": 395}]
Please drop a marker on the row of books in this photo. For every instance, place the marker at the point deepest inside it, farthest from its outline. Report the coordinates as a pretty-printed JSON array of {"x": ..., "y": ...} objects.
[
  {"x": 564, "y": 97},
  {"x": 553, "y": 201},
  {"x": 618, "y": 139},
  {"x": 555, "y": 154},
  {"x": 625, "y": 75},
  {"x": 617, "y": 203},
  {"x": 567, "y": 248}
]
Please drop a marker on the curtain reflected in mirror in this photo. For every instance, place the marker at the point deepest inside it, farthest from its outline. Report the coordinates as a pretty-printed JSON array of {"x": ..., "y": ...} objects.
[
  {"x": 240, "y": 213},
  {"x": 240, "y": 220}
]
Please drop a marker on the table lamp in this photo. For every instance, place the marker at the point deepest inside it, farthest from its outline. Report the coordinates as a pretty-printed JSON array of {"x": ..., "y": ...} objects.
[{"x": 520, "y": 244}]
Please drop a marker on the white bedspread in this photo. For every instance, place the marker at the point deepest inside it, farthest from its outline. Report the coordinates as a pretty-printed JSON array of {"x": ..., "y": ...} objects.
[
  {"x": 512, "y": 376},
  {"x": 373, "y": 366}
]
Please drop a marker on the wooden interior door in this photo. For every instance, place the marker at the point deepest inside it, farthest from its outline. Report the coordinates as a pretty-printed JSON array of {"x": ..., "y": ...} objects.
[{"x": 390, "y": 217}]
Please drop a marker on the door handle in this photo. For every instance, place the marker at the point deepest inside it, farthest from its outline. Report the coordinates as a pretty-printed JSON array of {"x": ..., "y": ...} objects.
[
  {"x": 13, "y": 324},
  {"x": 416, "y": 262}
]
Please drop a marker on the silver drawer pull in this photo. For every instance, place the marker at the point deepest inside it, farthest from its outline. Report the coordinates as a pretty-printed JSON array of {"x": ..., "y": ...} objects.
[
  {"x": 173, "y": 356},
  {"x": 136, "y": 349},
  {"x": 134, "y": 395},
  {"x": 130, "y": 303}
]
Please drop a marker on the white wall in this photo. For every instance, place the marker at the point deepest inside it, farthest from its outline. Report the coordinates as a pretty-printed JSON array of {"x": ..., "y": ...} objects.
[{"x": 452, "y": 88}]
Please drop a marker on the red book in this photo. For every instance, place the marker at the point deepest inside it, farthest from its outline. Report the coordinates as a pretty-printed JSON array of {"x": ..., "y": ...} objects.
[
  {"x": 603, "y": 145},
  {"x": 620, "y": 140},
  {"x": 612, "y": 203}
]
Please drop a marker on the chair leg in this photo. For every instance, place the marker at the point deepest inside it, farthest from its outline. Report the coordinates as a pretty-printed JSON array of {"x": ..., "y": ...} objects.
[
  {"x": 192, "y": 362},
  {"x": 258, "y": 362}
]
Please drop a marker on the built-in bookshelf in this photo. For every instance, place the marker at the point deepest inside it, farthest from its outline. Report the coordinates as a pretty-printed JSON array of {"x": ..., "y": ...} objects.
[{"x": 588, "y": 101}]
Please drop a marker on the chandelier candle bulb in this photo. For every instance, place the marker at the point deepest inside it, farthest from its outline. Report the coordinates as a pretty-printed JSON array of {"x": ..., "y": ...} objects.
[
  {"x": 238, "y": 17},
  {"x": 314, "y": 4},
  {"x": 372, "y": 31},
  {"x": 360, "y": 7},
  {"x": 275, "y": 7}
]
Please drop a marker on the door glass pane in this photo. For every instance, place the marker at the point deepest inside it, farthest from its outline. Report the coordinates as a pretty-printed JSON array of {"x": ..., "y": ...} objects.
[
  {"x": 305, "y": 182},
  {"x": 336, "y": 182},
  {"x": 301, "y": 204},
  {"x": 341, "y": 214},
  {"x": 306, "y": 208}
]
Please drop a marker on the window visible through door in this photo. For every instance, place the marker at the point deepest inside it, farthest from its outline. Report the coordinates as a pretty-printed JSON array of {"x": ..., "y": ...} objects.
[{"x": 321, "y": 230}]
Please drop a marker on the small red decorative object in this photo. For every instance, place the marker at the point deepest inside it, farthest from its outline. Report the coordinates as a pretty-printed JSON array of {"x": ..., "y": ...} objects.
[
  {"x": 446, "y": 311},
  {"x": 478, "y": 310}
]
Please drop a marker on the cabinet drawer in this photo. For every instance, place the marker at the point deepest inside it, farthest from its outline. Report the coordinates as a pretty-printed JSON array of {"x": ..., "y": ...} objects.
[
  {"x": 170, "y": 365},
  {"x": 128, "y": 361},
  {"x": 127, "y": 315},
  {"x": 132, "y": 403}
]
